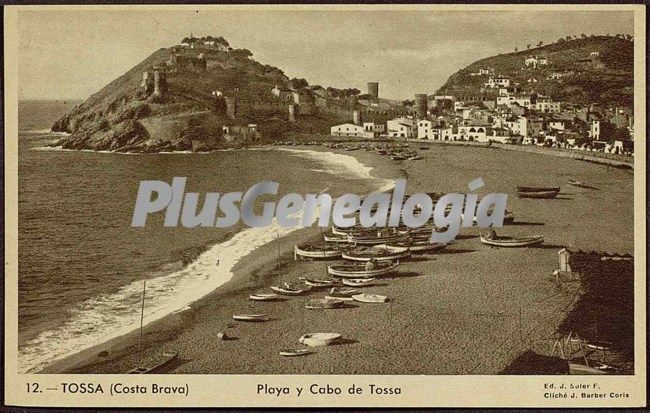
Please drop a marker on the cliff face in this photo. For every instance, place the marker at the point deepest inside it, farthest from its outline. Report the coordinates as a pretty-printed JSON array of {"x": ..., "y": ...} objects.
[
  {"x": 189, "y": 98},
  {"x": 596, "y": 69}
]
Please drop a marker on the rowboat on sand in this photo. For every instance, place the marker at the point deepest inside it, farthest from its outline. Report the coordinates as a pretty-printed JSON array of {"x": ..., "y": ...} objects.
[
  {"x": 320, "y": 339},
  {"x": 335, "y": 238},
  {"x": 359, "y": 270},
  {"x": 316, "y": 283},
  {"x": 370, "y": 298},
  {"x": 378, "y": 254},
  {"x": 537, "y": 192},
  {"x": 287, "y": 289},
  {"x": 504, "y": 241},
  {"x": 316, "y": 251},
  {"x": 156, "y": 364},
  {"x": 373, "y": 239},
  {"x": 295, "y": 352},
  {"x": 250, "y": 317},
  {"x": 324, "y": 303},
  {"x": 358, "y": 282},
  {"x": 264, "y": 297}
]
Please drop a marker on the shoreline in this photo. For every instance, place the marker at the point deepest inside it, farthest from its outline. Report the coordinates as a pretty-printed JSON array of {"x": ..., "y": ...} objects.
[
  {"x": 246, "y": 267},
  {"x": 212, "y": 313}
]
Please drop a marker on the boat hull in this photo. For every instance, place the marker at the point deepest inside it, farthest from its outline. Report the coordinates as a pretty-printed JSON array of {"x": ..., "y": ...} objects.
[
  {"x": 346, "y": 271},
  {"x": 513, "y": 242},
  {"x": 367, "y": 257}
]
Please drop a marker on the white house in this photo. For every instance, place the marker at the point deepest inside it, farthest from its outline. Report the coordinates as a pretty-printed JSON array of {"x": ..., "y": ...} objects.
[
  {"x": 530, "y": 62},
  {"x": 348, "y": 129},
  {"x": 547, "y": 106},
  {"x": 401, "y": 128},
  {"x": 476, "y": 133},
  {"x": 373, "y": 130},
  {"x": 483, "y": 71},
  {"x": 425, "y": 130},
  {"x": 498, "y": 82},
  {"x": 594, "y": 133},
  {"x": 557, "y": 125}
]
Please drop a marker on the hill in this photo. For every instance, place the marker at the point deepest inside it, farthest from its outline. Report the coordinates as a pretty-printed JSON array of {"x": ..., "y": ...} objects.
[
  {"x": 199, "y": 96},
  {"x": 595, "y": 69}
]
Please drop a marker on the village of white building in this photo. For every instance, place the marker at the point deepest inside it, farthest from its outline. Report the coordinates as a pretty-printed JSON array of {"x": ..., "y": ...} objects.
[{"x": 509, "y": 114}]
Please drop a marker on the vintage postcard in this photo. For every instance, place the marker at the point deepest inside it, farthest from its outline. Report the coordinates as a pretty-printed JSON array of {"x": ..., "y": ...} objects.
[{"x": 325, "y": 206}]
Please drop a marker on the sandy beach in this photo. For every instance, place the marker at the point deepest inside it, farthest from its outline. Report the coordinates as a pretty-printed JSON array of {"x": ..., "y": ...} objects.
[{"x": 470, "y": 309}]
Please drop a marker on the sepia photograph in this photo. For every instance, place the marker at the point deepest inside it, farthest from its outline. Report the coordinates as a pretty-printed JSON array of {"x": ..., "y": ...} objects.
[{"x": 325, "y": 191}]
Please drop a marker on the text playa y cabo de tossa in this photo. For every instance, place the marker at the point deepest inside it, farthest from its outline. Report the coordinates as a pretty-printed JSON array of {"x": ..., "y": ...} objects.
[{"x": 376, "y": 210}]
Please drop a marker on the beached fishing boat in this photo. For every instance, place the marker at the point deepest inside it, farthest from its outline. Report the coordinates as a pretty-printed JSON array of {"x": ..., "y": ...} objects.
[
  {"x": 371, "y": 239},
  {"x": 419, "y": 245},
  {"x": 370, "y": 298},
  {"x": 317, "y": 251},
  {"x": 512, "y": 241},
  {"x": 378, "y": 254},
  {"x": 335, "y": 238},
  {"x": 319, "y": 339},
  {"x": 155, "y": 364},
  {"x": 358, "y": 282},
  {"x": 359, "y": 270},
  {"x": 317, "y": 283},
  {"x": 537, "y": 192},
  {"x": 539, "y": 195},
  {"x": 325, "y": 303},
  {"x": 287, "y": 289},
  {"x": 350, "y": 230},
  {"x": 264, "y": 297},
  {"x": 250, "y": 317},
  {"x": 295, "y": 352},
  {"x": 580, "y": 184}
]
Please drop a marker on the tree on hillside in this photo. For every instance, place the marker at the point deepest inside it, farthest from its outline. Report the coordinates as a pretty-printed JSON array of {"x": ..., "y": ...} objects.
[
  {"x": 568, "y": 38},
  {"x": 540, "y": 44},
  {"x": 516, "y": 50},
  {"x": 527, "y": 46},
  {"x": 582, "y": 35},
  {"x": 299, "y": 83},
  {"x": 561, "y": 40},
  {"x": 242, "y": 52}
]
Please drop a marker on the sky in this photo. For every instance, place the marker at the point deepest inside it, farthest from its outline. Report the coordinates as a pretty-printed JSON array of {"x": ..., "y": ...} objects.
[{"x": 70, "y": 54}]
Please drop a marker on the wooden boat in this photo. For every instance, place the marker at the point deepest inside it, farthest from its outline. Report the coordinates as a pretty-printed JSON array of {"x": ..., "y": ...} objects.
[
  {"x": 536, "y": 188},
  {"x": 264, "y": 297},
  {"x": 420, "y": 245},
  {"x": 370, "y": 298},
  {"x": 156, "y": 363},
  {"x": 539, "y": 195},
  {"x": 580, "y": 184},
  {"x": 350, "y": 230},
  {"x": 325, "y": 303},
  {"x": 513, "y": 242},
  {"x": 316, "y": 251},
  {"x": 537, "y": 192},
  {"x": 287, "y": 289},
  {"x": 358, "y": 282},
  {"x": 319, "y": 339},
  {"x": 335, "y": 238},
  {"x": 582, "y": 369},
  {"x": 250, "y": 317},
  {"x": 316, "y": 282},
  {"x": 370, "y": 240},
  {"x": 392, "y": 248},
  {"x": 295, "y": 352},
  {"x": 377, "y": 254},
  {"x": 343, "y": 292},
  {"x": 359, "y": 270}
]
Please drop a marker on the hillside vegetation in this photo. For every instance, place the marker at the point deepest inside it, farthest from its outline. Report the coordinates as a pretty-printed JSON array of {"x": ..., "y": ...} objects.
[
  {"x": 581, "y": 78},
  {"x": 188, "y": 115}
]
